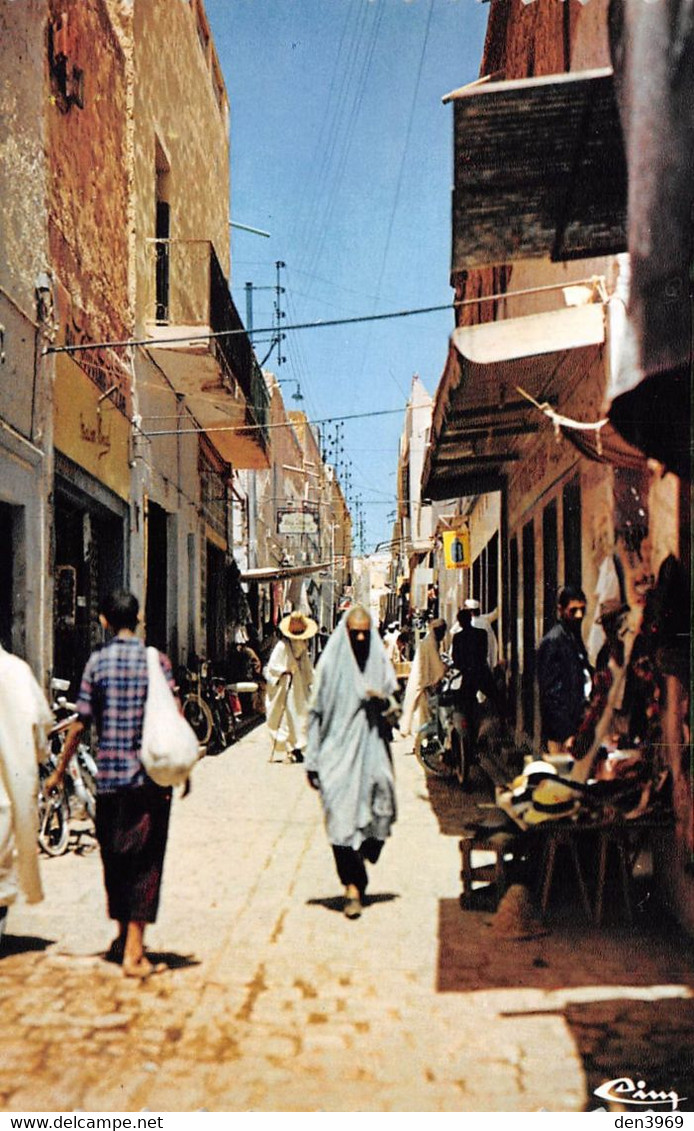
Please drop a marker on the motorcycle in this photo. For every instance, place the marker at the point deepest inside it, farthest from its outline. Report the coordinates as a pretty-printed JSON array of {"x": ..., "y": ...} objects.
[{"x": 443, "y": 745}]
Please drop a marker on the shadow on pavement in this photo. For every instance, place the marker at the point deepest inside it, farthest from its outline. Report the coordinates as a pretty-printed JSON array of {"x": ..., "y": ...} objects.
[
  {"x": 650, "y": 952},
  {"x": 172, "y": 960},
  {"x": 649, "y": 1041},
  {"x": 23, "y": 944},
  {"x": 455, "y": 808},
  {"x": 337, "y": 902}
]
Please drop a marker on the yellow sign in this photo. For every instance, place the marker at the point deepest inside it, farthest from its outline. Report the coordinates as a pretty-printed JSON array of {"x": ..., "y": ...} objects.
[
  {"x": 456, "y": 549},
  {"x": 93, "y": 433}
]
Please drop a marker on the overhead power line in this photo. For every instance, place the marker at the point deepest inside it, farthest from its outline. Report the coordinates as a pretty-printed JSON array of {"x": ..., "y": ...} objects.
[
  {"x": 321, "y": 324},
  {"x": 264, "y": 427}
]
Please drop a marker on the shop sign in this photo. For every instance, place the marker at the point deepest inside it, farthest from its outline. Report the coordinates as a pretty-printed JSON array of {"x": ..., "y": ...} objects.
[
  {"x": 291, "y": 521},
  {"x": 89, "y": 429},
  {"x": 456, "y": 548}
]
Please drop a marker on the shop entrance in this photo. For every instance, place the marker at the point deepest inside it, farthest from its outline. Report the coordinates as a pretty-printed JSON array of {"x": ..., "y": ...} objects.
[{"x": 89, "y": 563}]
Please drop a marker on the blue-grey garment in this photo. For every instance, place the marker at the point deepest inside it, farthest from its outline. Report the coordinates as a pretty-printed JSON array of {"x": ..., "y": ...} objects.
[{"x": 348, "y": 741}]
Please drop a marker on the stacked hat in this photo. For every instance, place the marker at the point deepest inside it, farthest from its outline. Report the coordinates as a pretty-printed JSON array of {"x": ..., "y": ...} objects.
[{"x": 553, "y": 800}]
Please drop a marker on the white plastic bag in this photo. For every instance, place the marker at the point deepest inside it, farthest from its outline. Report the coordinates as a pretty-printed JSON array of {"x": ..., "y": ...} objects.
[{"x": 169, "y": 744}]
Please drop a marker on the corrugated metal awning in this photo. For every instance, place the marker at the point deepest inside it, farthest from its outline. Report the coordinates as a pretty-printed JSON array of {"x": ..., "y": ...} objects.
[
  {"x": 539, "y": 170},
  {"x": 480, "y": 420}
]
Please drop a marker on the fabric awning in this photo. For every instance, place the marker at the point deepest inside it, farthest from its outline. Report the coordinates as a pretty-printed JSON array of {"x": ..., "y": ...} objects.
[
  {"x": 480, "y": 420},
  {"x": 606, "y": 446},
  {"x": 539, "y": 170},
  {"x": 283, "y": 573}
]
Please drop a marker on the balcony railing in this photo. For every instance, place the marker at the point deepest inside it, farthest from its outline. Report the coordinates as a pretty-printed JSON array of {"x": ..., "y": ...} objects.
[{"x": 188, "y": 288}]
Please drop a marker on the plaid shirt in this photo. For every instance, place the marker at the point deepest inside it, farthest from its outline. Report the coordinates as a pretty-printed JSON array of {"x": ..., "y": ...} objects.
[{"x": 113, "y": 693}]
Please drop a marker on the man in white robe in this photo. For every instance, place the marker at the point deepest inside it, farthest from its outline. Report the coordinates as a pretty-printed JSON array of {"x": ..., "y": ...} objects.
[
  {"x": 24, "y": 718},
  {"x": 427, "y": 670},
  {"x": 289, "y": 675}
]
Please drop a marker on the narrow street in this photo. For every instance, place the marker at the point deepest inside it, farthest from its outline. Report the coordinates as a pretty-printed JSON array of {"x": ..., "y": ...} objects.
[{"x": 273, "y": 1001}]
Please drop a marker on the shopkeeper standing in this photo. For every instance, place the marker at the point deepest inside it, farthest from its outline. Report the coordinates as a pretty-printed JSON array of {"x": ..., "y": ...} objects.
[{"x": 564, "y": 673}]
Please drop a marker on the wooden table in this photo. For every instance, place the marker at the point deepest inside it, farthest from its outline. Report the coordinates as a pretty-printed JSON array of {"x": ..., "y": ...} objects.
[{"x": 625, "y": 839}]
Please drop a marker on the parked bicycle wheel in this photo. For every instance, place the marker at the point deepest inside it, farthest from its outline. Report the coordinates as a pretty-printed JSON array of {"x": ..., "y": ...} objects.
[
  {"x": 54, "y": 822},
  {"x": 223, "y": 729},
  {"x": 431, "y": 754},
  {"x": 198, "y": 714}
]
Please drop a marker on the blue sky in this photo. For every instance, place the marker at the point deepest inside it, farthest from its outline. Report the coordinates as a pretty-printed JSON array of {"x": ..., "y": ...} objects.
[{"x": 342, "y": 150}]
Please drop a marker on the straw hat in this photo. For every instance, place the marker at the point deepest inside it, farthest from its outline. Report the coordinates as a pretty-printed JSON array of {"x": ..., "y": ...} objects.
[
  {"x": 552, "y": 800},
  {"x": 297, "y": 626}
]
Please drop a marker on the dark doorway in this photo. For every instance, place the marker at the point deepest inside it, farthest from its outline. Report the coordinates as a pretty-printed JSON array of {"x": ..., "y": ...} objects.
[
  {"x": 89, "y": 563},
  {"x": 528, "y": 676},
  {"x": 550, "y": 580},
  {"x": 7, "y": 551},
  {"x": 513, "y": 629},
  {"x": 571, "y": 503},
  {"x": 156, "y": 606},
  {"x": 216, "y": 604}
]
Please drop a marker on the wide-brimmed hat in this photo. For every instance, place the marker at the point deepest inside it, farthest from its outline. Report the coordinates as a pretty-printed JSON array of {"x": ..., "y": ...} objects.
[
  {"x": 297, "y": 626},
  {"x": 472, "y": 604},
  {"x": 552, "y": 801}
]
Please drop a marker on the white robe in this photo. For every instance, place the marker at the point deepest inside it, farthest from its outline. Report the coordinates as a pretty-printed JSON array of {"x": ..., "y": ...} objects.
[
  {"x": 427, "y": 669},
  {"x": 289, "y": 676},
  {"x": 24, "y": 715}
]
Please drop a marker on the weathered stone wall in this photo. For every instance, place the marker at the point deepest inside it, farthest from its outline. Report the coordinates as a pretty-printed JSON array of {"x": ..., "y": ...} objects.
[
  {"x": 25, "y": 379},
  {"x": 177, "y": 106},
  {"x": 22, "y": 175},
  {"x": 88, "y": 172}
]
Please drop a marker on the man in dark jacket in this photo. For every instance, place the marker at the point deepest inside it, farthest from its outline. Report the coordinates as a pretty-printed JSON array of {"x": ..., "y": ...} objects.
[
  {"x": 564, "y": 672},
  {"x": 469, "y": 650}
]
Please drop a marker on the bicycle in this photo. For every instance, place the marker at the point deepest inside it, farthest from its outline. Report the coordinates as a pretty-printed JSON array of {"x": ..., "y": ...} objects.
[
  {"x": 53, "y": 814},
  {"x": 209, "y": 707},
  {"x": 75, "y": 798}
]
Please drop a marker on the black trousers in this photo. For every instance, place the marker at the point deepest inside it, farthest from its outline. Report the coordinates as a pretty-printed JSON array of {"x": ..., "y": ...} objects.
[
  {"x": 132, "y": 827},
  {"x": 350, "y": 862}
]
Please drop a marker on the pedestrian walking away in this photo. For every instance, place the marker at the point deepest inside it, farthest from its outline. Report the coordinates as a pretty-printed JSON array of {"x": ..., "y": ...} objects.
[
  {"x": 24, "y": 717},
  {"x": 348, "y": 754},
  {"x": 289, "y": 676},
  {"x": 132, "y": 813},
  {"x": 564, "y": 672}
]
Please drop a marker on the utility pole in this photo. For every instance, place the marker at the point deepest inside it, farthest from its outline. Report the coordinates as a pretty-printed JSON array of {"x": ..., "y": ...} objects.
[{"x": 277, "y": 316}]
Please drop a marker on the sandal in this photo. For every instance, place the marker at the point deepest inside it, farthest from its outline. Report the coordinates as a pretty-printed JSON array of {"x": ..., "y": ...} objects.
[{"x": 143, "y": 969}]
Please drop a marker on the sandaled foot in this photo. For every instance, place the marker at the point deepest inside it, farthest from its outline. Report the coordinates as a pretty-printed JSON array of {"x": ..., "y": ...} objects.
[
  {"x": 143, "y": 968},
  {"x": 352, "y": 908}
]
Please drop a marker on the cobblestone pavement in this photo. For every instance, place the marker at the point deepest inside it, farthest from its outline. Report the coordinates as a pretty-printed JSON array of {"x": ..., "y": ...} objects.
[{"x": 273, "y": 1001}]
